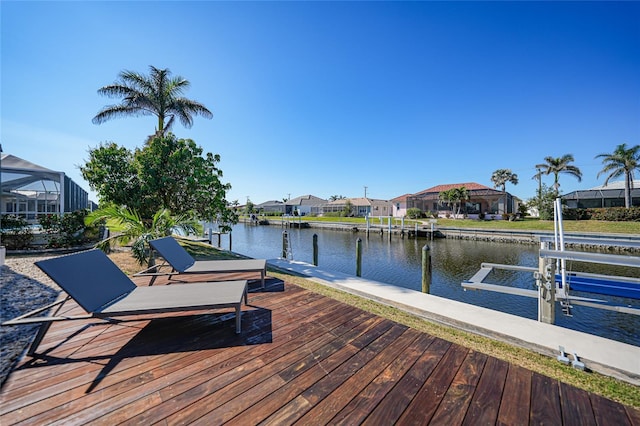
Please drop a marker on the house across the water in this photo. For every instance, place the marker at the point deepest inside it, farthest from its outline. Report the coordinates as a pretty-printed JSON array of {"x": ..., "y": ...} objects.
[
  {"x": 482, "y": 200},
  {"x": 611, "y": 195}
]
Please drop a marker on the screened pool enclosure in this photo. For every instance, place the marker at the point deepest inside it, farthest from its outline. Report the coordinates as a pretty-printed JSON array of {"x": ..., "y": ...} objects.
[{"x": 29, "y": 190}]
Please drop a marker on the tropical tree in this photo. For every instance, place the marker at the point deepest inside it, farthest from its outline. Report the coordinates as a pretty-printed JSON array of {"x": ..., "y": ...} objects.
[
  {"x": 128, "y": 227},
  {"x": 621, "y": 162},
  {"x": 166, "y": 173},
  {"x": 454, "y": 198},
  {"x": 555, "y": 166},
  {"x": 414, "y": 213},
  {"x": 336, "y": 197},
  {"x": 500, "y": 178},
  {"x": 538, "y": 177},
  {"x": 347, "y": 209},
  {"x": 156, "y": 94},
  {"x": 112, "y": 173},
  {"x": 543, "y": 202},
  {"x": 249, "y": 207}
]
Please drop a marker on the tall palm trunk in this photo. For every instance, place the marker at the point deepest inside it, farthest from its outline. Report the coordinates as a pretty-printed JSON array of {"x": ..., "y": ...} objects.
[{"x": 628, "y": 183}]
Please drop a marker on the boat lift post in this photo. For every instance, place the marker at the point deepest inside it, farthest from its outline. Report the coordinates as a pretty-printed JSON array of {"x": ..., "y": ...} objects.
[{"x": 545, "y": 280}]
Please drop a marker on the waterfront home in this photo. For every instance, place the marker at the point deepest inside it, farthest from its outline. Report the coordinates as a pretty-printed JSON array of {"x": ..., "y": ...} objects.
[
  {"x": 400, "y": 205},
  {"x": 302, "y": 205},
  {"x": 306, "y": 204},
  {"x": 482, "y": 200},
  {"x": 360, "y": 207},
  {"x": 611, "y": 195}
]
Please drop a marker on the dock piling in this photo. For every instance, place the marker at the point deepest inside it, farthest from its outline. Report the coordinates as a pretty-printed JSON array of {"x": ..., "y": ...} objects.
[
  {"x": 359, "y": 257},
  {"x": 315, "y": 249},
  {"x": 426, "y": 269}
]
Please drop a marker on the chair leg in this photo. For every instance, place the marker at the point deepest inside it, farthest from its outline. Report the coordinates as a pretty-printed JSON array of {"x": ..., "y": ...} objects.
[
  {"x": 42, "y": 330},
  {"x": 238, "y": 318}
]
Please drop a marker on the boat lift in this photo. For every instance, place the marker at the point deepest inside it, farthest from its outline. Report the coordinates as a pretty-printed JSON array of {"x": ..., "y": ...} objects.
[{"x": 554, "y": 283}]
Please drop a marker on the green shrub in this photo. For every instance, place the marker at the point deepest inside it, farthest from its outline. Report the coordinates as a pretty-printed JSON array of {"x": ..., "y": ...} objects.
[
  {"x": 616, "y": 214},
  {"x": 271, "y": 213},
  {"x": 414, "y": 213},
  {"x": 69, "y": 230},
  {"x": 576, "y": 214},
  {"x": 16, "y": 233},
  {"x": 610, "y": 214},
  {"x": 522, "y": 209}
]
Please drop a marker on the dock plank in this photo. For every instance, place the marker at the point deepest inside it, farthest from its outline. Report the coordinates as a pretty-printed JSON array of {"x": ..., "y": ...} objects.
[
  {"x": 608, "y": 412},
  {"x": 545, "y": 400},
  {"x": 516, "y": 399},
  {"x": 360, "y": 407},
  {"x": 428, "y": 398},
  {"x": 485, "y": 404},
  {"x": 389, "y": 410},
  {"x": 576, "y": 407},
  {"x": 455, "y": 404}
]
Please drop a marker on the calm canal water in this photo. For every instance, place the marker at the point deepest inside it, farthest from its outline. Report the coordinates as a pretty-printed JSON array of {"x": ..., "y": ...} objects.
[{"x": 397, "y": 261}]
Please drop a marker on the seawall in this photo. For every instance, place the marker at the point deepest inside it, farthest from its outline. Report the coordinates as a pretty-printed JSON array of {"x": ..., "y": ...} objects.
[{"x": 586, "y": 240}]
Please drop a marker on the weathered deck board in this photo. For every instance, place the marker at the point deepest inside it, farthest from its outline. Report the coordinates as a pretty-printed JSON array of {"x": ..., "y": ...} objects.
[
  {"x": 516, "y": 399},
  {"x": 301, "y": 358}
]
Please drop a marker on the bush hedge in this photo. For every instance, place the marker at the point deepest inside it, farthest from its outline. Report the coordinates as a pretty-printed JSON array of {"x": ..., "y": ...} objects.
[
  {"x": 16, "y": 232},
  {"x": 611, "y": 214}
]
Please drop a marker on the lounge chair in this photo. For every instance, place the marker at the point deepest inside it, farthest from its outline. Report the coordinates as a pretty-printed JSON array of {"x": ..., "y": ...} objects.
[
  {"x": 104, "y": 291},
  {"x": 183, "y": 263}
]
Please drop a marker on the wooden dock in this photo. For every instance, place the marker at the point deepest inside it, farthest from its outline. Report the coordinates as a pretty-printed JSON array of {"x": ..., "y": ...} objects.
[{"x": 302, "y": 358}]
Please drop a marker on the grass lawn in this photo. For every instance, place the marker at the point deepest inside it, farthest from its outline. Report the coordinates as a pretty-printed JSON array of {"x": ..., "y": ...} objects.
[{"x": 519, "y": 225}]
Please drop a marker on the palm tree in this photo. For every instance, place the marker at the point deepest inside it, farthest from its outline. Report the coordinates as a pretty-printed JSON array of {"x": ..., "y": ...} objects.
[
  {"x": 623, "y": 161},
  {"x": 538, "y": 177},
  {"x": 559, "y": 165},
  {"x": 156, "y": 94},
  {"x": 500, "y": 178},
  {"x": 128, "y": 226},
  {"x": 454, "y": 197}
]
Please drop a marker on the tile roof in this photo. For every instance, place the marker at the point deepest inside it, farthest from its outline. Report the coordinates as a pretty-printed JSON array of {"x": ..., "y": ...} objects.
[{"x": 470, "y": 186}]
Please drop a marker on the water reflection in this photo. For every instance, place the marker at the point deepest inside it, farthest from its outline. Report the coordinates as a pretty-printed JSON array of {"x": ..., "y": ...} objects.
[{"x": 397, "y": 261}]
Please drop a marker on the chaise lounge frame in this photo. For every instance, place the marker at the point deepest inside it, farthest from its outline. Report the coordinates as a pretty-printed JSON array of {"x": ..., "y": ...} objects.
[
  {"x": 105, "y": 292},
  {"x": 182, "y": 262}
]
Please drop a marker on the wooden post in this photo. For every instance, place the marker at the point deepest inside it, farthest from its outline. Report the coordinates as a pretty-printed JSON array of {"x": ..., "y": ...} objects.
[
  {"x": 315, "y": 249},
  {"x": 546, "y": 281},
  {"x": 284, "y": 244},
  {"x": 219, "y": 239},
  {"x": 359, "y": 257},
  {"x": 230, "y": 241},
  {"x": 426, "y": 269}
]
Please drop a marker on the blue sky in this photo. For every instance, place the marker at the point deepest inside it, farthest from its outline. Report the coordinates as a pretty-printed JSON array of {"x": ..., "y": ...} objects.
[{"x": 326, "y": 98}]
